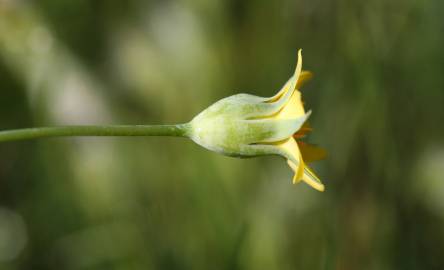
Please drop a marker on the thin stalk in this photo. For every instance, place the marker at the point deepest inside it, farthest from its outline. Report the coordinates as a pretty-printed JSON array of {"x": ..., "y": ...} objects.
[{"x": 179, "y": 130}]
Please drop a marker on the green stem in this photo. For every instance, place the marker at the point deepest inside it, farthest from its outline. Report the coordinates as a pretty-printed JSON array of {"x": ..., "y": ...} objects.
[{"x": 110, "y": 130}]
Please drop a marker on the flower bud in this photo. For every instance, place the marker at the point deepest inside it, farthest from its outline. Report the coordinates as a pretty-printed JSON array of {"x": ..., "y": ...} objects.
[{"x": 245, "y": 125}]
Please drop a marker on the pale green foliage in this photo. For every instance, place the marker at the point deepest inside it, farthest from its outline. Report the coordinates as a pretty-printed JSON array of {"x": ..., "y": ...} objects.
[{"x": 243, "y": 125}]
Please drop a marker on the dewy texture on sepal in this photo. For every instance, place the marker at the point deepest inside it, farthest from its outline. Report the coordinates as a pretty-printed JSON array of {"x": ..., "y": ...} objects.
[{"x": 245, "y": 125}]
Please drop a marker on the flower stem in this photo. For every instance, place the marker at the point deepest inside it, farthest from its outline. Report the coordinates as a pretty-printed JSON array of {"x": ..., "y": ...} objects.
[{"x": 179, "y": 130}]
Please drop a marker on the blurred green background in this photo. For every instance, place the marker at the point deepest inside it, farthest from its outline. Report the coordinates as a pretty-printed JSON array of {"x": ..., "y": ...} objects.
[{"x": 165, "y": 203}]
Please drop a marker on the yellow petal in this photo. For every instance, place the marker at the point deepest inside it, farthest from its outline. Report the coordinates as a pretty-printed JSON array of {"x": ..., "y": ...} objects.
[
  {"x": 311, "y": 179},
  {"x": 295, "y": 161},
  {"x": 303, "y": 78},
  {"x": 311, "y": 152},
  {"x": 298, "y": 170},
  {"x": 298, "y": 69},
  {"x": 290, "y": 147},
  {"x": 293, "y": 109},
  {"x": 308, "y": 177},
  {"x": 293, "y": 81},
  {"x": 282, "y": 92}
]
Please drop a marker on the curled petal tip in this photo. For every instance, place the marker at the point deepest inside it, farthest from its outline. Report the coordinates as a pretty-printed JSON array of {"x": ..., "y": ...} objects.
[
  {"x": 296, "y": 181},
  {"x": 300, "y": 54},
  {"x": 312, "y": 180}
]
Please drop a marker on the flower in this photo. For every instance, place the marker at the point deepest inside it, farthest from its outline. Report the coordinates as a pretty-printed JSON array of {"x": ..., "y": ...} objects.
[{"x": 245, "y": 125}]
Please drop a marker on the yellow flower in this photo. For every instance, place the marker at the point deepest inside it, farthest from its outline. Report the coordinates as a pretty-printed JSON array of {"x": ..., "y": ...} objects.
[
  {"x": 300, "y": 151},
  {"x": 245, "y": 126}
]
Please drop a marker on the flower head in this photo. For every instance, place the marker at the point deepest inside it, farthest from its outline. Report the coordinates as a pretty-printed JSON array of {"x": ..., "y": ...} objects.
[{"x": 245, "y": 125}]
